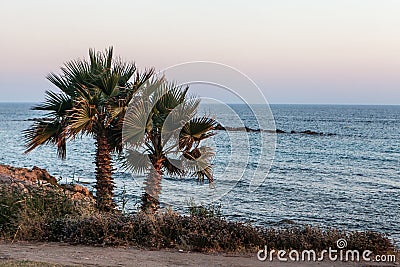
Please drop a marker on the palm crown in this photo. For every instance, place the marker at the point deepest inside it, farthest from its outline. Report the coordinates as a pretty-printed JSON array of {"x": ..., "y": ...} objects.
[
  {"x": 93, "y": 100},
  {"x": 164, "y": 136}
]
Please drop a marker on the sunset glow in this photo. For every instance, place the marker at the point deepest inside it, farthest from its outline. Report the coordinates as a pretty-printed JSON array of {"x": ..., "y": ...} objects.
[{"x": 296, "y": 51}]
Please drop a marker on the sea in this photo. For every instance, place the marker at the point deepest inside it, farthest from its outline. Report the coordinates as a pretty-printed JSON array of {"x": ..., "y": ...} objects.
[{"x": 345, "y": 176}]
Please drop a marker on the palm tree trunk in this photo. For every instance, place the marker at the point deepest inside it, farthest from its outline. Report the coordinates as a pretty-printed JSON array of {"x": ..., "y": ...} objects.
[
  {"x": 104, "y": 182},
  {"x": 152, "y": 190}
]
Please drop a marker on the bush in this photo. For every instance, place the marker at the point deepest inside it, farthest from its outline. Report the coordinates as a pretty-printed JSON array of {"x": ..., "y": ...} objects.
[
  {"x": 45, "y": 215},
  {"x": 308, "y": 237},
  {"x": 25, "y": 214},
  {"x": 171, "y": 230},
  {"x": 168, "y": 230},
  {"x": 209, "y": 211}
]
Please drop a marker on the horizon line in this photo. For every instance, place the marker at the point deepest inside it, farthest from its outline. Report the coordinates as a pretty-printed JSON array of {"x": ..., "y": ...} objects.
[{"x": 233, "y": 103}]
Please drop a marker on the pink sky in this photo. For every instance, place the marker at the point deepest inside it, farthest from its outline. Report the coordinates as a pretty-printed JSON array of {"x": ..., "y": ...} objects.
[{"x": 310, "y": 51}]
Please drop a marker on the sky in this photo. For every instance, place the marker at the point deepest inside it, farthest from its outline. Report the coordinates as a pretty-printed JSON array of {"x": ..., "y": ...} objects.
[{"x": 296, "y": 51}]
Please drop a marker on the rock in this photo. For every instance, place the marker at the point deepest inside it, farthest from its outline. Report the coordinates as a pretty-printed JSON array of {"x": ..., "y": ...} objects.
[
  {"x": 76, "y": 189},
  {"x": 311, "y": 132},
  {"x": 278, "y": 131},
  {"x": 34, "y": 175},
  {"x": 25, "y": 180},
  {"x": 219, "y": 127},
  {"x": 251, "y": 130},
  {"x": 236, "y": 129},
  {"x": 4, "y": 178},
  {"x": 42, "y": 174}
]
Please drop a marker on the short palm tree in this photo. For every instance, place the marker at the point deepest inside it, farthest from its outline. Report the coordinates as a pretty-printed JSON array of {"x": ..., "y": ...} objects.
[
  {"x": 164, "y": 136},
  {"x": 93, "y": 100}
]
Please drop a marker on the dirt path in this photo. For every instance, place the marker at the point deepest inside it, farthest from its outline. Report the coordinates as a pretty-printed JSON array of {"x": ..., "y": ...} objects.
[{"x": 56, "y": 253}]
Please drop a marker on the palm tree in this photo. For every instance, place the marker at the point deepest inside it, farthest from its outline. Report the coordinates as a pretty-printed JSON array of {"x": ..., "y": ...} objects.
[
  {"x": 93, "y": 100},
  {"x": 164, "y": 136}
]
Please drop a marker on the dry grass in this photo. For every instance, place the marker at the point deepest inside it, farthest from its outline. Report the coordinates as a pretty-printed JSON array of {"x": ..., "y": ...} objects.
[
  {"x": 46, "y": 216},
  {"x": 26, "y": 216},
  {"x": 206, "y": 234}
]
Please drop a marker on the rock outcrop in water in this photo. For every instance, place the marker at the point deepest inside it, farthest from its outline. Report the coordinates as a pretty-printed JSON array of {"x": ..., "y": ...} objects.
[
  {"x": 26, "y": 180},
  {"x": 278, "y": 131}
]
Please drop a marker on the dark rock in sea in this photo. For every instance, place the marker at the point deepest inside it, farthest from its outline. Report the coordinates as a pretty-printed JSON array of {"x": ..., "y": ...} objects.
[
  {"x": 248, "y": 129},
  {"x": 277, "y": 131},
  {"x": 235, "y": 129},
  {"x": 311, "y": 132},
  {"x": 219, "y": 127}
]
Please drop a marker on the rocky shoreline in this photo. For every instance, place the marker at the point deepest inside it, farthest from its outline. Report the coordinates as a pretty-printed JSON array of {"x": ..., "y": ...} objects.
[{"x": 27, "y": 180}]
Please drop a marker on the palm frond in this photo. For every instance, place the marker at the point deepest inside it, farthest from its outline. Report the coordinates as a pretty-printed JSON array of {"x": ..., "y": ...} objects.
[
  {"x": 78, "y": 73},
  {"x": 205, "y": 173},
  {"x": 109, "y": 84},
  {"x": 56, "y": 104},
  {"x": 125, "y": 71},
  {"x": 84, "y": 117},
  {"x": 62, "y": 83},
  {"x": 136, "y": 122},
  {"x": 171, "y": 97},
  {"x": 196, "y": 130},
  {"x": 174, "y": 167},
  {"x": 136, "y": 162},
  {"x": 46, "y": 132},
  {"x": 116, "y": 111},
  {"x": 109, "y": 57},
  {"x": 198, "y": 161},
  {"x": 143, "y": 78},
  {"x": 180, "y": 115}
]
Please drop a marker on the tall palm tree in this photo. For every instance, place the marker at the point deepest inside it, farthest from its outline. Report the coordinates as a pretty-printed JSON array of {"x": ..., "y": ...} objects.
[
  {"x": 93, "y": 98},
  {"x": 164, "y": 136}
]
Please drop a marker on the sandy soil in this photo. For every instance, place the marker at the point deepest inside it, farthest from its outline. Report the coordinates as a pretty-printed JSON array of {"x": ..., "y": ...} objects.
[{"x": 56, "y": 253}]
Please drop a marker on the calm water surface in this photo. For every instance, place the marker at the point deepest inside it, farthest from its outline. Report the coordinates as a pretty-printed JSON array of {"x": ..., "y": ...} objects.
[{"x": 347, "y": 180}]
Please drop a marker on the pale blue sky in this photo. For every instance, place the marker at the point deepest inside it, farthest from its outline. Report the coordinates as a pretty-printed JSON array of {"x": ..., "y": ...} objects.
[{"x": 297, "y": 51}]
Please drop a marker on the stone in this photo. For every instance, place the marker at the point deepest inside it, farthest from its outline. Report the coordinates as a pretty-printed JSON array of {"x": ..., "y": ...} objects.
[{"x": 23, "y": 180}]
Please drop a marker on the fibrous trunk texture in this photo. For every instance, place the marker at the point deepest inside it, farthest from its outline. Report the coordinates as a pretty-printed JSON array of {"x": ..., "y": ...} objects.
[
  {"x": 152, "y": 190},
  {"x": 104, "y": 180}
]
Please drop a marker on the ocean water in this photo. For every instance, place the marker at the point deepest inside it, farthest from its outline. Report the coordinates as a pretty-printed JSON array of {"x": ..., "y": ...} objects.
[{"x": 347, "y": 178}]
